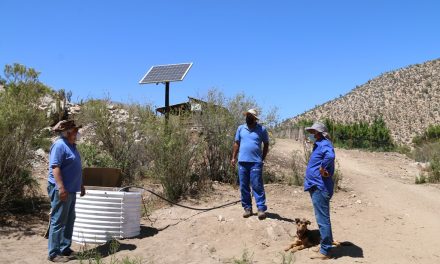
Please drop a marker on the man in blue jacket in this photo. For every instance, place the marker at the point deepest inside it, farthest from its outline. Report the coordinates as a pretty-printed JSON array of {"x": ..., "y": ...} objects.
[
  {"x": 64, "y": 181},
  {"x": 319, "y": 183},
  {"x": 247, "y": 145}
]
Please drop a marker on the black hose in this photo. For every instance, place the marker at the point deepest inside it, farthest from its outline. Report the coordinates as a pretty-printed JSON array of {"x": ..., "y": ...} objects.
[{"x": 184, "y": 206}]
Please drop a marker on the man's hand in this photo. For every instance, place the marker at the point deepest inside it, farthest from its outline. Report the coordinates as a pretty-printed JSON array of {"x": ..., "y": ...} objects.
[
  {"x": 233, "y": 162},
  {"x": 63, "y": 193},
  {"x": 83, "y": 191},
  {"x": 324, "y": 173}
]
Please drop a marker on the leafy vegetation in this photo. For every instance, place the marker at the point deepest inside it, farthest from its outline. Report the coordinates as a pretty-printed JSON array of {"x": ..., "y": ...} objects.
[
  {"x": 246, "y": 258},
  {"x": 375, "y": 136},
  {"x": 427, "y": 149},
  {"x": 20, "y": 125}
]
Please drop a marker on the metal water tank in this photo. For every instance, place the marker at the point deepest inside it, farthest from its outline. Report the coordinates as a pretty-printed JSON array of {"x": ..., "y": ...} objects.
[{"x": 102, "y": 215}]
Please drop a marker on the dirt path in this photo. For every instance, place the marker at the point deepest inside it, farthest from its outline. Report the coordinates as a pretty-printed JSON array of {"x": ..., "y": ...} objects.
[{"x": 381, "y": 211}]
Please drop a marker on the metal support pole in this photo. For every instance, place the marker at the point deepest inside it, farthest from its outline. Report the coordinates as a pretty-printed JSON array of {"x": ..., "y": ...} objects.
[{"x": 167, "y": 100}]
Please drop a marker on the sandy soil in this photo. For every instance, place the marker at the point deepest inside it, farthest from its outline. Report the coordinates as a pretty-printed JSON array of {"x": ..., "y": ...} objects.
[{"x": 386, "y": 217}]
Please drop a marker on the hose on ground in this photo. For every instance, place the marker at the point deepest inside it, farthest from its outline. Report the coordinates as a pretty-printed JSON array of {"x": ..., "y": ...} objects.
[{"x": 180, "y": 205}]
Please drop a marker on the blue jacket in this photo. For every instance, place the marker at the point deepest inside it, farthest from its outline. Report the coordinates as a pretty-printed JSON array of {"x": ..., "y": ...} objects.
[{"x": 323, "y": 155}]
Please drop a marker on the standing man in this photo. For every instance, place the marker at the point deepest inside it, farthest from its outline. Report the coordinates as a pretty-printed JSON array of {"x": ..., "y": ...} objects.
[
  {"x": 247, "y": 145},
  {"x": 64, "y": 181},
  {"x": 319, "y": 183}
]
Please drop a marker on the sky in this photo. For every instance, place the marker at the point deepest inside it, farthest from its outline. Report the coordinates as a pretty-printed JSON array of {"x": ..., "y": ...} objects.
[{"x": 292, "y": 55}]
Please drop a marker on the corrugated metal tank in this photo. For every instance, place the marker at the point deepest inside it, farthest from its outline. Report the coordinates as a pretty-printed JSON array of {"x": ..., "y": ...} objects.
[{"x": 102, "y": 215}]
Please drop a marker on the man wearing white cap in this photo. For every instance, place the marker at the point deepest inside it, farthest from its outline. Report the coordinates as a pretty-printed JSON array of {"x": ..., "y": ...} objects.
[
  {"x": 319, "y": 183},
  {"x": 247, "y": 145}
]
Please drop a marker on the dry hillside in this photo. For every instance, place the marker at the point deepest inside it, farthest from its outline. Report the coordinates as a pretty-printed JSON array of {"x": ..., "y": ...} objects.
[{"x": 407, "y": 98}]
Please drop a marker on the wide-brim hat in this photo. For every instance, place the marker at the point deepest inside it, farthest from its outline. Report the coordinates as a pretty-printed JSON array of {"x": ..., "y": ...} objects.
[
  {"x": 253, "y": 112},
  {"x": 64, "y": 125},
  {"x": 317, "y": 126}
]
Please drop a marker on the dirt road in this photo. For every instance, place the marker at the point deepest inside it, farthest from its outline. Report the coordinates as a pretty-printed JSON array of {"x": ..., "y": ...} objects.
[{"x": 387, "y": 218}]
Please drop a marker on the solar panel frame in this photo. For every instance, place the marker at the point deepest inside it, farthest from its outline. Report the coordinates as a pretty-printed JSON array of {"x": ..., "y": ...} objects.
[{"x": 166, "y": 73}]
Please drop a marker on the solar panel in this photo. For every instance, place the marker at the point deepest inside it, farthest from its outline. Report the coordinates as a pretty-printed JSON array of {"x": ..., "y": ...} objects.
[{"x": 166, "y": 73}]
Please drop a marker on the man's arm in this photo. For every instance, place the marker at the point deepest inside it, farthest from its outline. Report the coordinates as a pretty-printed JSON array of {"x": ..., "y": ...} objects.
[
  {"x": 235, "y": 149},
  {"x": 59, "y": 180},
  {"x": 265, "y": 150},
  {"x": 329, "y": 158}
]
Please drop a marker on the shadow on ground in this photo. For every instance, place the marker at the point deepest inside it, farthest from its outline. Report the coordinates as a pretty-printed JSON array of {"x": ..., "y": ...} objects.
[
  {"x": 347, "y": 249},
  {"x": 278, "y": 217},
  {"x": 107, "y": 249},
  {"x": 148, "y": 231}
]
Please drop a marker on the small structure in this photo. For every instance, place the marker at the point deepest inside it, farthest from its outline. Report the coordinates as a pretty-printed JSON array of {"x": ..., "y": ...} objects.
[
  {"x": 192, "y": 106},
  {"x": 190, "y": 110}
]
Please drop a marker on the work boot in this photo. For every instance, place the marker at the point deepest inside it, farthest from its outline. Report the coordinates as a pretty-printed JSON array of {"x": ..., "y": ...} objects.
[
  {"x": 261, "y": 215},
  {"x": 70, "y": 254},
  {"x": 247, "y": 212},
  {"x": 59, "y": 259},
  {"x": 320, "y": 256}
]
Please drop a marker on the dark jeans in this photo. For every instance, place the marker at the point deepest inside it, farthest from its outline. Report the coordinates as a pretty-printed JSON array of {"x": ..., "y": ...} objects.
[
  {"x": 62, "y": 218},
  {"x": 252, "y": 173},
  {"x": 321, "y": 205}
]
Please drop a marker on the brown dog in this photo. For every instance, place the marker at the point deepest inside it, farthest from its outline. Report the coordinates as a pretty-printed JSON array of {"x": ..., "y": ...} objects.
[{"x": 305, "y": 238}]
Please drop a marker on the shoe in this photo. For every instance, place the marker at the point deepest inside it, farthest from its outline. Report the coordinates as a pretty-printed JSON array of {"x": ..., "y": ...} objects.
[
  {"x": 320, "y": 256},
  {"x": 261, "y": 215},
  {"x": 247, "y": 213},
  {"x": 70, "y": 254},
  {"x": 59, "y": 259}
]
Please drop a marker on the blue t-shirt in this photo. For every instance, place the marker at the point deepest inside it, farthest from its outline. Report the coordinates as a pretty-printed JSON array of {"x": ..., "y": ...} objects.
[
  {"x": 66, "y": 156},
  {"x": 323, "y": 155},
  {"x": 250, "y": 142}
]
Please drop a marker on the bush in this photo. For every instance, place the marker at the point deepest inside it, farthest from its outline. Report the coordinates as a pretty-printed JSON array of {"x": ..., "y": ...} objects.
[
  {"x": 218, "y": 131},
  {"x": 298, "y": 167},
  {"x": 434, "y": 170},
  {"x": 219, "y": 120},
  {"x": 176, "y": 156},
  {"x": 375, "y": 136},
  {"x": 20, "y": 124},
  {"x": 92, "y": 156},
  {"x": 432, "y": 134},
  {"x": 122, "y": 137}
]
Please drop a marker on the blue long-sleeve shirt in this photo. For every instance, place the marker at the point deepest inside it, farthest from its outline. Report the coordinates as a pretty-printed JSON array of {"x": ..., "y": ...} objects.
[{"x": 323, "y": 155}]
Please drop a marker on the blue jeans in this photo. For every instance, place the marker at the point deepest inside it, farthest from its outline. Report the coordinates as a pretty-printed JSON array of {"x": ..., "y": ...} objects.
[
  {"x": 252, "y": 173},
  {"x": 62, "y": 218},
  {"x": 321, "y": 204}
]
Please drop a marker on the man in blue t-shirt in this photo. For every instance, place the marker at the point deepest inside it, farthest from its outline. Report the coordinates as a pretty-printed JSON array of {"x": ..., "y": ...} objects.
[
  {"x": 64, "y": 181},
  {"x": 319, "y": 183},
  {"x": 247, "y": 145}
]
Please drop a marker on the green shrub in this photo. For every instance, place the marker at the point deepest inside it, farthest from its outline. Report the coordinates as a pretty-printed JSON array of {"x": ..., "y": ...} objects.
[
  {"x": 420, "y": 179},
  {"x": 124, "y": 140},
  {"x": 434, "y": 170},
  {"x": 432, "y": 134},
  {"x": 298, "y": 166},
  {"x": 375, "y": 136},
  {"x": 20, "y": 124},
  {"x": 92, "y": 156},
  {"x": 246, "y": 258},
  {"x": 176, "y": 156}
]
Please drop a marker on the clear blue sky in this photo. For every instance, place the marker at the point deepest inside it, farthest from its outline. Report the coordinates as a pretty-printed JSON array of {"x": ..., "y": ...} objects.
[{"x": 289, "y": 54}]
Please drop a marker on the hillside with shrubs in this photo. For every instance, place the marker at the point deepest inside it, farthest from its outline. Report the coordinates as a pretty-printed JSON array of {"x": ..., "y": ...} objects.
[{"x": 408, "y": 100}]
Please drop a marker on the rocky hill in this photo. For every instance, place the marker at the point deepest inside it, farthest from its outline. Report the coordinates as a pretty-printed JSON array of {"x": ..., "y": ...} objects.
[{"x": 407, "y": 98}]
